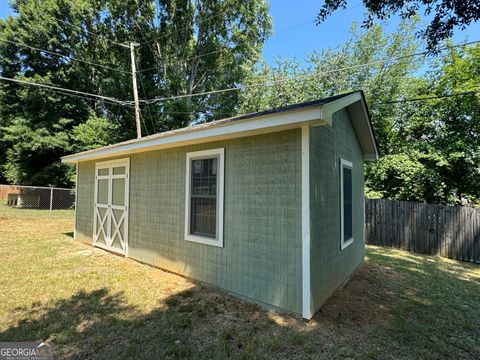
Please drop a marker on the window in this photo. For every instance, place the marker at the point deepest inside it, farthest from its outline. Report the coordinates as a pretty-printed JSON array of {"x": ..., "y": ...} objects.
[
  {"x": 204, "y": 197},
  {"x": 346, "y": 200}
]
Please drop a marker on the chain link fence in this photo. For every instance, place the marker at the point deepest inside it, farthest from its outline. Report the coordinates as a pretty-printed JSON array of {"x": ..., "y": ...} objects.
[{"x": 37, "y": 197}]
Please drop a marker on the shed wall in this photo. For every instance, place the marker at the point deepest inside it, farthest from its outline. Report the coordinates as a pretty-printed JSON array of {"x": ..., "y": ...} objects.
[
  {"x": 331, "y": 266},
  {"x": 85, "y": 197},
  {"x": 261, "y": 257}
]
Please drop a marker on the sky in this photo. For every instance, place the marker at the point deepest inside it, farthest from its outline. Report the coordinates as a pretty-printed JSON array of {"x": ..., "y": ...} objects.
[
  {"x": 290, "y": 41},
  {"x": 295, "y": 34}
]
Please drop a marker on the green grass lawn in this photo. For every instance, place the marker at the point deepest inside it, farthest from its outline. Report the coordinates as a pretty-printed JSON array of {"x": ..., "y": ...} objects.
[{"x": 92, "y": 304}]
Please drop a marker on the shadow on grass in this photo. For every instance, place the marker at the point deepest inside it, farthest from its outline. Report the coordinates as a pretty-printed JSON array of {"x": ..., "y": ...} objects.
[
  {"x": 78, "y": 325},
  {"x": 196, "y": 323},
  {"x": 434, "y": 304},
  {"x": 395, "y": 306}
]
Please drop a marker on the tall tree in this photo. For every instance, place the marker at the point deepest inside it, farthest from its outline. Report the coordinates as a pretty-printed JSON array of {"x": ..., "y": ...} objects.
[
  {"x": 430, "y": 147},
  {"x": 369, "y": 60},
  {"x": 185, "y": 47},
  {"x": 436, "y": 154}
]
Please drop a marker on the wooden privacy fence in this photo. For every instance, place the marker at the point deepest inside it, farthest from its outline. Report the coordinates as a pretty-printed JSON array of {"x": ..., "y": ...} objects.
[{"x": 448, "y": 231}]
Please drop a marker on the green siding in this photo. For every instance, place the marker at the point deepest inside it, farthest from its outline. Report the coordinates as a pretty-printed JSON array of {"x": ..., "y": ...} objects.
[
  {"x": 261, "y": 257},
  {"x": 331, "y": 266},
  {"x": 84, "y": 207}
]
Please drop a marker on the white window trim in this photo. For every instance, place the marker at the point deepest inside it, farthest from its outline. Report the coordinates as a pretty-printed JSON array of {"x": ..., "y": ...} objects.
[
  {"x": 344, "y": 164},
  {"x": 205, "y": 154}
]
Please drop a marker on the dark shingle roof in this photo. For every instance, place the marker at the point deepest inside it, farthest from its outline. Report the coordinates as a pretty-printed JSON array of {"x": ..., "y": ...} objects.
[
  {"x": 302, "y": 105},
  {"x": 211, "y": 124}
]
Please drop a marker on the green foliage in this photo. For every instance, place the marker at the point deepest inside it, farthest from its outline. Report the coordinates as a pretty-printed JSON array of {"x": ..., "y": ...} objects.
[
  {"x": 443, "y": 134},
  {"x": 29, "y": 157},
  {"x": 341, "y": 70},
  {"x": 430, "y": 148},
  {"x": 403, "y": 177},
  {"x": 445, "y": 14},
  {"x": 94, "y": 133},
  {"x": 186, "y": 46}
]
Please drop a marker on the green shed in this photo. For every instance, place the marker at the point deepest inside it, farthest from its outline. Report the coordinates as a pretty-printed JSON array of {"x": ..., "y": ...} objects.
[{"x": 267, "y": 206}]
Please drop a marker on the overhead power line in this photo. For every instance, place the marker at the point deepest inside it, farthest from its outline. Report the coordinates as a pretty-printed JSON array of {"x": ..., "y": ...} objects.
[
  {"x": 287, "y": 79},
  {"x": 89, "y": 98},
  {"x": 69, "y": 91},
  {"x": 226, "y": 49},
  {"x": 419, "y": 99},
  {"x": 64, "y": 56},
  {"x": 199, "y": 56},
  {"x": 406, "y": 100},
  {"x": 246, "y": 42},
  {"x": 472, "y": 92},
  {"x": 123, "y": 44}
]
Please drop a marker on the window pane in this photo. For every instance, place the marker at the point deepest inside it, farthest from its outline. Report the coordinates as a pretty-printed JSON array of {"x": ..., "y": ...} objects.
[
  {"x": 203, "y": 216},
  {"x": 203, "y": 202},
  {"x": 102, "y": 191},
  {"x": 119, "y": 170},
  {"x": 204, "y": 177},
  {"x": 118, "y": 192},
  {"x": 103, "y": 172},
  {"x": 347, "y": 203}
]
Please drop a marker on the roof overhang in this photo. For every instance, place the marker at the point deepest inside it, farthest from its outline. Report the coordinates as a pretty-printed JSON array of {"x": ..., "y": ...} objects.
[
  {"x": 362, "y": 125},
  {"x": 311, "y": 115}
]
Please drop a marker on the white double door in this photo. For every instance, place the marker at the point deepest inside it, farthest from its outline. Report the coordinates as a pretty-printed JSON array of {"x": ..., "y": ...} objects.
[{"x": 110, "y": 229}]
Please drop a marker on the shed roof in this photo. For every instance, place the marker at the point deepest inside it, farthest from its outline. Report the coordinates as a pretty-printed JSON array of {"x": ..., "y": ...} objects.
[{"x": 311, "y": 113}]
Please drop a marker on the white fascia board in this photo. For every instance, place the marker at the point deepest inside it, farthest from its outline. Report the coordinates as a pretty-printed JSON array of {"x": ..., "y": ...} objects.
[
  {"x": 363, "y": 128},
  {"x": 375, "y": 155},
  {"x": 358, "y": 111},
  {"x": 227, "y": 130},
  {"x": 327, "y": 111}
]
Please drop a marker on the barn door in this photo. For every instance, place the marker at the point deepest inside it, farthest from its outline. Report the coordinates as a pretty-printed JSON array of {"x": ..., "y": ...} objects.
[{"x": 111, "y": 206}]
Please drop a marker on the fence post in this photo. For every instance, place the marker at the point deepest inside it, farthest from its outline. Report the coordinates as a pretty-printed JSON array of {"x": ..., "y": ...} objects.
[{"x": 51, "y": 198}]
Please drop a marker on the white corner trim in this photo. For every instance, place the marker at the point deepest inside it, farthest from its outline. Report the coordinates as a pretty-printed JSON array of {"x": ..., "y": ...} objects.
[
  {"x": 307, "y": 312},
  {"x": 220, "y": 154},
  {"x": 76, "y": 202},
  {"x": 344, "y": 164}
]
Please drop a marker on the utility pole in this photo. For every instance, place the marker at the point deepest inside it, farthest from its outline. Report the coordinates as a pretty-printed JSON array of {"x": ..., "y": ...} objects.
[{"x": 135, "y": 90}]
